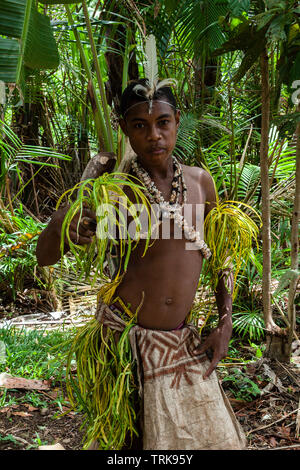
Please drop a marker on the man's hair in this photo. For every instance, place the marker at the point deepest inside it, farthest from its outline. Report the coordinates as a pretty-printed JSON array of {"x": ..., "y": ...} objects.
[{"x": 130, "y": 97}]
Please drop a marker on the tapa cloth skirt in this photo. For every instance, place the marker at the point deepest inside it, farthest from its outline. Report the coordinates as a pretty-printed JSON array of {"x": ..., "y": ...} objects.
[{"x": 181, "y": 411}]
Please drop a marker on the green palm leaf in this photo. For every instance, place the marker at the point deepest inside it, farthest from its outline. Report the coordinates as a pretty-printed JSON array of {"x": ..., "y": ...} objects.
[
  {"x": 9, "y": 57},
  {"x": 249, "y": 323},
  {"x": 248, "y": 183},
  {"x": 199, "y": 24},
  {"x": 29, "y": 40},
  {"x": 187, "y": 139},
  {"x": 13, "y": 151}
]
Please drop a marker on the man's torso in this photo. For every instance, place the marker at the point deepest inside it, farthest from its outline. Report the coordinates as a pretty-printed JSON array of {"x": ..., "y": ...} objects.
[{"x": 165, "y": 279}]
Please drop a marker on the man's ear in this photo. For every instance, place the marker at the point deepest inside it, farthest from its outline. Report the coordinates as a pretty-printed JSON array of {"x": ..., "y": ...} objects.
[
  {"x": 123, "y": 125},
  {"x": 177, "y": 117}
]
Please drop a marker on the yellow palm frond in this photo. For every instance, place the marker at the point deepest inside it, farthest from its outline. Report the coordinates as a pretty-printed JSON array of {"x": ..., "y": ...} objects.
[
  {"x": 107, "y": 197},
  {"x": 230, "y": 234}
]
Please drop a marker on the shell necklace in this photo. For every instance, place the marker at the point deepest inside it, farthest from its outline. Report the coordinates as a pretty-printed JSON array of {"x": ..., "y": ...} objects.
[{"x": 171, "y": 209}]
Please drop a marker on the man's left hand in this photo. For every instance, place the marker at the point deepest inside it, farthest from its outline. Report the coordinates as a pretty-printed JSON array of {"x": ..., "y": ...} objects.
[{"x": 217, "y": 341}]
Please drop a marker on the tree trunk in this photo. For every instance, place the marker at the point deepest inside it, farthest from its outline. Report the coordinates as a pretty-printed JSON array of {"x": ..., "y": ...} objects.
[
  {"x": 27, "y": 123},
  {"x": 294, "y": 245},
  {"x": 265, "y": 190},
  {"x": 276, "y": 341}
]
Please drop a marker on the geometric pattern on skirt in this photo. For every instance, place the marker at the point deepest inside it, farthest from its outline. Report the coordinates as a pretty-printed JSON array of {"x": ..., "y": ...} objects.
[{"x": 181, "y": 411}]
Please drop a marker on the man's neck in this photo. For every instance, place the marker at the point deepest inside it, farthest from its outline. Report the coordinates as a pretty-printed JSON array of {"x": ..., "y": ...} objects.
[{"x": 162, "y": 170}]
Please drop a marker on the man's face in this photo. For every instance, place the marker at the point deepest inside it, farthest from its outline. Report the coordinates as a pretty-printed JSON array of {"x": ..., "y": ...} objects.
[{"x": 152, "y": 136}]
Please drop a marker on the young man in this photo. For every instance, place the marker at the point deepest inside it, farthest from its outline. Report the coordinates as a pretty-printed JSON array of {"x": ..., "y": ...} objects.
[{"x": 183, "y": 404}]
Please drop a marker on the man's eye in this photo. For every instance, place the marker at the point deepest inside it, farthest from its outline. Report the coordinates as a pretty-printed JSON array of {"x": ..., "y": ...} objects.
[
  {"x": 139, "y": 125},
  {"x": 164, "y": 122}
]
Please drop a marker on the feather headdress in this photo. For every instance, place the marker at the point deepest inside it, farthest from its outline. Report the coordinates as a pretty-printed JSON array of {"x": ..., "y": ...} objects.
[{"x": 151, "y": 73}]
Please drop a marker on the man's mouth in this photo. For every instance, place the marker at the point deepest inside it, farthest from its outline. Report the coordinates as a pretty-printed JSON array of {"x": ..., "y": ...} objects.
[{"x": 156, "y": 150}]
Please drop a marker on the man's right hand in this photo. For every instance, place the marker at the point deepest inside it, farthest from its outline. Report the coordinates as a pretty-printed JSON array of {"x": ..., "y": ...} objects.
[
  {"x": 81, "y": 231},
  {"x": 82, "y": 227}
]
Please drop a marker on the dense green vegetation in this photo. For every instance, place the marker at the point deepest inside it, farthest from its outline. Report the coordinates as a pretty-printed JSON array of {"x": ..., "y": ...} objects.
[{"x": 63, "y": 66}]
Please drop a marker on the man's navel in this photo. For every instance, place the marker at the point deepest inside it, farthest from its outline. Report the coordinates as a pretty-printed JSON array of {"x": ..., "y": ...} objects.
[{"x": 169, "y": 301}]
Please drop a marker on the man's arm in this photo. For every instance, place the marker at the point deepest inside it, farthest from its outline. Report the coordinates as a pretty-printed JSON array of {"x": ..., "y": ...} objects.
[
  {"x": 218, "y": 339},
  {"x": 81, "y": 232}
]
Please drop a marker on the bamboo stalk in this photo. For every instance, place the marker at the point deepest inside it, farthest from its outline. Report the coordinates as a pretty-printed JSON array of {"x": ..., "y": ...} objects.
[
  {"x": 99, "y": 78},
  {"x": 100, "y": 125},
  {"x": 121, "y": 151}
]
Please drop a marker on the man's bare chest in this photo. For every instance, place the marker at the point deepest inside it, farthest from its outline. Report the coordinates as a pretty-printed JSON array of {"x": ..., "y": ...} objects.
[{"x": 137, "y": 219}]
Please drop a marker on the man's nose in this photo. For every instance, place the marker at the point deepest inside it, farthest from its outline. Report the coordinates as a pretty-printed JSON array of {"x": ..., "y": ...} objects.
[{"x": 154, "y": 133}]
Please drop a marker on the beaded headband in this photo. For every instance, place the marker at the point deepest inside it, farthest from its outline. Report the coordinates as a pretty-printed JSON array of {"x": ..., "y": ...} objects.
[
  {"x": 153, "y": 84},
  {"x": 146, "y": 101}
]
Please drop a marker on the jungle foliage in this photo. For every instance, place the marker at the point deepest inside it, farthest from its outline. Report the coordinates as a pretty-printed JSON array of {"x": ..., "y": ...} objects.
[{"x": 63, "y": 66}]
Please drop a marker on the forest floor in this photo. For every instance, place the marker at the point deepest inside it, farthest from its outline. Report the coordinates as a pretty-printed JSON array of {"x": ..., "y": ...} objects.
[{"x": 270, "y": 419}]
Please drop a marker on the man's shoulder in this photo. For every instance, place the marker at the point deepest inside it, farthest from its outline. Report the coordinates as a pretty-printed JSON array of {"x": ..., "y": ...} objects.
[
  {"x": 198, "y": 173},
  {"x": 203, "y": 180}
]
